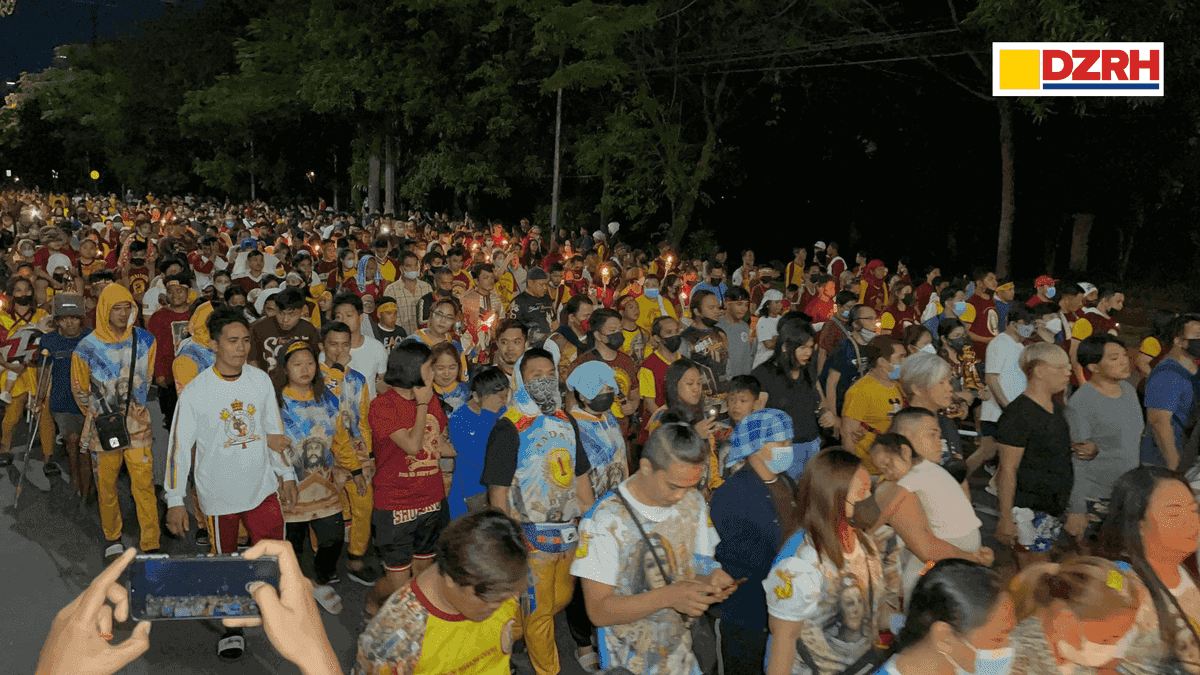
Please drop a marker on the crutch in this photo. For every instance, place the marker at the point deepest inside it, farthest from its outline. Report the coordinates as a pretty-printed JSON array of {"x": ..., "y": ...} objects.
[{"x": 33, "y": 417}]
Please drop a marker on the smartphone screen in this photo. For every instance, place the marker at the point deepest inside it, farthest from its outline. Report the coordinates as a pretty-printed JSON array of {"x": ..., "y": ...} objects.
[{"x": 199, "y": 587}]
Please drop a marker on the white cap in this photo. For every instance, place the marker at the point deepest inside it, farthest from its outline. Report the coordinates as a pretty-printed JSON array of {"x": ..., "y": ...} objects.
[
  {"x": 1088, "y": 289},
  {"x": 613, "y": 227},
  {"x": 772, "y": 295},
  {"x": 819, "y": 245}
]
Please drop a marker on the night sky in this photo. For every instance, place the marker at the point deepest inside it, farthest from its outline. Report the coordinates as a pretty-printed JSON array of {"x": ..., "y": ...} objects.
[{"x": 29, "y": 36}]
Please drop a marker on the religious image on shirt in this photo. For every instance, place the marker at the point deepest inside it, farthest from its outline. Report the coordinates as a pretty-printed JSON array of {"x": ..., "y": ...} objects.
[
  {"x": 239, "y": 425},
  {"x": 179, "y": 333},
  {"x": 648, "y": 575},
  {"x": 312, "y": 459}
]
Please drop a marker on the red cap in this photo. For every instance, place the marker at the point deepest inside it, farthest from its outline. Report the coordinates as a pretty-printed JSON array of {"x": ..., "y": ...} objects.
[
  {"x": 874, "y": 264},
  {"x": 1044, "y": 280}
]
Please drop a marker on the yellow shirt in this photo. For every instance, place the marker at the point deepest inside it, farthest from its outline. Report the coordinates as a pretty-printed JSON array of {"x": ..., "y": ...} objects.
[
  {"x": 649, "y": 310},
  {"x": 872, "y": 404},
  {"x": 26, "y": 381}
]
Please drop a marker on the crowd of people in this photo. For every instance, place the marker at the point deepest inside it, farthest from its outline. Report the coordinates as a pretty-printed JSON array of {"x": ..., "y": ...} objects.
[{"x": 707, "y": 464}]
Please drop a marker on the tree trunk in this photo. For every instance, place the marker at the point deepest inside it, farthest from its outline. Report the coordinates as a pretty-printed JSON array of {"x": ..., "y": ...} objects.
[
  {"x": 373, "y": 179},
  {"x": 389, "y": 177},
  {"x": 557, "y": 156},
  {"x": 1126, "y": 238},
  {"x": 682, "y": 209},
  {"x": 1079, "y": 241},
  {"x": 1007, "y": 204}
]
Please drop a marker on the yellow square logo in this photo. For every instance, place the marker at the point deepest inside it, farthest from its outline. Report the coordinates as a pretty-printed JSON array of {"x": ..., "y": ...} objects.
[{"x": 1019, "y": 69}]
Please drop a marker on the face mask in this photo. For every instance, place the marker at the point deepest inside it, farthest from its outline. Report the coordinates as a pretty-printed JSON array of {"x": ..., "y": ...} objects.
[
  {"x": 988, "y": 661},
  {"x": 846, "y": 314},
  {"x": 137, "y": 262},
  {"x": 412, "y": 275},
  {"x": 349, "y": 264},
  {"x": 1050, "y": 292},
  {"x": 652, "y": 293},
  {"x": 1092, "y": 655},
  {"x": 1054, "y": 325},
  {"x": 960, "y": 308},
  {"x": 895, "y": 374},
  {"x": 1193, "y": 348},
  {"x": 672, "y": 343},
  {"x": 614, "y": 340},
  {"x": 867, "y": 334},
  {"x": 26, "y": 253},
  {"x": 957, "y": 343},
  {"x": 781, "y": 459},
  {"x": 929, "y": 349},
  {"x": 544, "y": 392},
  {"x": 220, "y": 288},
  {"x": 715, "y": 282},
  {"x": 602, "y": 402},
  {"x": 23, "y": 300},
  {"x": 584, "y": 325},
  {"x": 1025, "y": 331}
]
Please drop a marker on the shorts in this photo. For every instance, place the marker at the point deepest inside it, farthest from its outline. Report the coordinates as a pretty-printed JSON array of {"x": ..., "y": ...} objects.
[
  {"x": 401, "y": 537},
  {"x": 987, "y": 429},
  {"x": 1037, "y": 532},
  {"x": 68, "y": 423}
]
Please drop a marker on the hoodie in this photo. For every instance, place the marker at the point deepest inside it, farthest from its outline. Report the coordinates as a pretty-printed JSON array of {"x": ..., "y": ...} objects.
[
  {"x": 196, "y": 352},
  {"x": 100, "y": 370}
]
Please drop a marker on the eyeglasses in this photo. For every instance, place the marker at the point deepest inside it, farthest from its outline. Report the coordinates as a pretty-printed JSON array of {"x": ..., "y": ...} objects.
[{"x": 443, "y": 315}]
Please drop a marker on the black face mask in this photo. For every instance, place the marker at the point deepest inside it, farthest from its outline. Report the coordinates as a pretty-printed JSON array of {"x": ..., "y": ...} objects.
[
  {"x": 602, "y": 402},
  {"x": 25, "y": 300},
  {"x": 137, "y": 262},
  {"x": 1193, "y": 348},
  {"x": 443, "y": 292},
  {"x": 672, "y": 343},
  {"x": 614, "y": 340}
]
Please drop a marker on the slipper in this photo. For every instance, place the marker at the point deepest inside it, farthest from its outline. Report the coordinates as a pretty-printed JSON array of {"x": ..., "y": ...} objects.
[
  {"x": 231, "y": 646},
  {"x": 328, "y": 598},
  {"x": 588, "y": 659},
  {"x": 114, "y": 551}
]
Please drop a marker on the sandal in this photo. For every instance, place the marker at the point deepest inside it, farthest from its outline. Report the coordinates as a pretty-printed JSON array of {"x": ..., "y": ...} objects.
[
  {"x": 231, "y": 646},
  {"x": 588, "y": 659},
  {"x": 328, "y": 598}
]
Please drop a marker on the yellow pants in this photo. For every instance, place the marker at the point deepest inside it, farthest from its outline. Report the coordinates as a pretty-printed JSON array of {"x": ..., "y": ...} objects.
[
  {"x": 550, "y": 575},
  {"x": 140, "y": 465},
  {"x": 12, "y": 416},
  {"x": 356, "y": 511}
]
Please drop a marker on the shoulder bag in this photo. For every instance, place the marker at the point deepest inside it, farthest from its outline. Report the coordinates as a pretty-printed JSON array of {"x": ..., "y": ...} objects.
[{"x": 111, "y": 428}]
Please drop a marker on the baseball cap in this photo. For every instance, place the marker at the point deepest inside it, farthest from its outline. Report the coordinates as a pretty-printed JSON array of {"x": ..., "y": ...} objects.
[
  {"x": 820, "y": 245},
  {"x": 1045, "y": 280},
  {"x": 68, "y": 305}
]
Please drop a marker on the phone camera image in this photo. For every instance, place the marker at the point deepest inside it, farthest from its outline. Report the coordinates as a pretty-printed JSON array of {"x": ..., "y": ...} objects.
[{"x": 197, "y": 587}]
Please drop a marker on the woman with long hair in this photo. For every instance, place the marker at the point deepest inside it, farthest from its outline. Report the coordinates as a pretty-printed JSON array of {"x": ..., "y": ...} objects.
[
  {"x": 449, "y": 378},
  {"x": 319, "y": 443},
  {"x": 959, "y": 620},
  {"x": 1152, "y": 525},
  {"x": 790, "y": 383},
  {"x": 684, "y": 386},
  {"x": 824, "y": 590}
]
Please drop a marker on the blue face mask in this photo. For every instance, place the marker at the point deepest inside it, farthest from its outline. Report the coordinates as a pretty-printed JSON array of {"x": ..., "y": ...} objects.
[
  {"x": 989, "y": 662},
  {"x": 960, "y": 308},
  {"x": 895, "y": 374},
  {"x": 1025, "y": 331},
  {"x": 652, "y": 293},
  {"x": 1050, "y": 292},
  {"x": 781, "y": 460}
]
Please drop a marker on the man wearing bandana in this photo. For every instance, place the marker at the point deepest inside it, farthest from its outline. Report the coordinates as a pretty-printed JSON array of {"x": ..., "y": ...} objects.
[{"x": 536, "y": 470}]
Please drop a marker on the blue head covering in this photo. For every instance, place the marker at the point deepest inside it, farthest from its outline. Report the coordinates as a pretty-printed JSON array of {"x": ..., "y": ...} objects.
[
  {"x": 756, "y": 430},
  {"x": 589, "y": 378},
  {"x": 361, "y": 277}
]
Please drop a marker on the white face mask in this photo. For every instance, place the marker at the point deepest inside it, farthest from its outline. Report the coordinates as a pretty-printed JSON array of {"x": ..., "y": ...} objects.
[
  {"x": 1054, "y": 325},
  {"x": 929, "y": 349},
  {"x": 1094, "y": 655}
]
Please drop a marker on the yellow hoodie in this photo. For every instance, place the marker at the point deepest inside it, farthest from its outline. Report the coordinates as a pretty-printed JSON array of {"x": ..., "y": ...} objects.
[{"x": 191, "y": 359}]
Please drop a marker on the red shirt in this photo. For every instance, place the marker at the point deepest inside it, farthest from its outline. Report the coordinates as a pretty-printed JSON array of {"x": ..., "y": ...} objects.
[
  {"x": 402, "y": 481},
  {"x": 162, "y": 325},
  {"x": 986, "y": 323},
  {"x": 42, "y": 256},
  {"x": 820, "y": 310},
  {"x": 200, "y": 264},
  {"x": 1034, "y": 301},
  {"x": 923, "y": 292}
]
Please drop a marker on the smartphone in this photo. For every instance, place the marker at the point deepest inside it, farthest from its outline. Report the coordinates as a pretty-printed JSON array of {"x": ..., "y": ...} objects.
[{"x": 196, "y": 587}]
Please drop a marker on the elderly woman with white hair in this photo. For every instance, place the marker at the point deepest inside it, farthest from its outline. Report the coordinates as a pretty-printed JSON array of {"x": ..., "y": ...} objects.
[{"x": 926, "y": 381}]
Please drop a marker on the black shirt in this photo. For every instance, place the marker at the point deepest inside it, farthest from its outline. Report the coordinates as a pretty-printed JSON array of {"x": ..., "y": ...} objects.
[
  {"x": 710, "y": 352},
  {"x": 798, "y": 398},
  {"x": 1045, "y": 476},
  {"x": 389, "y": 338},
  {"x": 537, "y": 313}
]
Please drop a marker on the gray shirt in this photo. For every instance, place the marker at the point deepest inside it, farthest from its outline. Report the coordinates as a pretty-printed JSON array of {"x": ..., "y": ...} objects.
[
  {"x": 741, "y": 347},
  {"x": 1115, "y": 426}
]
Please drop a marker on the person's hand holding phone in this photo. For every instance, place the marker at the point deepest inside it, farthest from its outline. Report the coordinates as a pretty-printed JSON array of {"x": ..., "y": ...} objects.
[
  {"x": 290, "y": 617},
  {"x": 79, "y": 640}
]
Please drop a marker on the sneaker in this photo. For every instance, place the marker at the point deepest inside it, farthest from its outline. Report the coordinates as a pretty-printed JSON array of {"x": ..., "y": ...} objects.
[
  {"x": 6, "y": 460},
  {"x": 51, "y": 470},
  {"x": 5, "y": 396},
  {"x": 365, "y": 576},
  {"x": 114, "y": 551},
  {"x": 202, "y": 539},
  {"x": 991, "y": 487},
  {"x": 335, "y": 579},
  {"x": 328, "y": 598}
]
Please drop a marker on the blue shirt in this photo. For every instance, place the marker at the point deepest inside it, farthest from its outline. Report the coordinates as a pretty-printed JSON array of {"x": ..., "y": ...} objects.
[
  {"x": 469, "y": 434},
  {"x": 1002, "y": 312},
  {"x": 1170, "y": 387},
  {"x": 61, "y": 348},
  {"x": 842, "y": 359},
  {"x": 719, "y": 291},
  {"x": 751, "y": 533}
]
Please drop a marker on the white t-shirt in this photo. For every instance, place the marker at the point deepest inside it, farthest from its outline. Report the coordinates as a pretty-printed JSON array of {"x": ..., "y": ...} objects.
[
  {"x": 370, "y": 359},
  {"x": 949, "y": 513},
  {"x": 1003, "y": 354},
  {"x": 767, "y": 328},
  {"x": 228, "y": 422}
]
